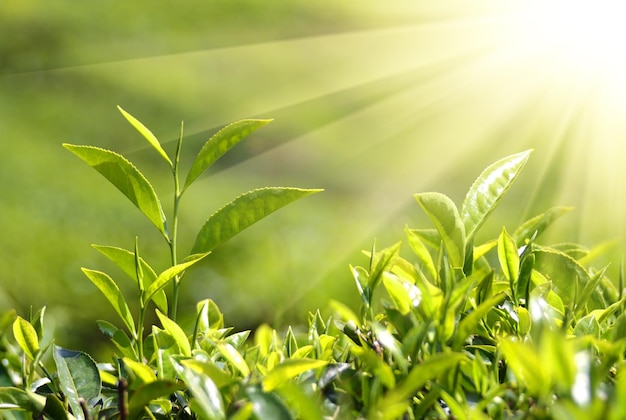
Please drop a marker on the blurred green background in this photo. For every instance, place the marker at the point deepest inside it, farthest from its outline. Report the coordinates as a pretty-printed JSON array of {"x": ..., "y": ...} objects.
[{"x": 372, "y": 102}]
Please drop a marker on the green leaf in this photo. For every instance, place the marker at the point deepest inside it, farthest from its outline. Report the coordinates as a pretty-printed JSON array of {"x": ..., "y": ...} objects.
[
  {"x": 78, "y": 377},
  {"x": 165, "y": 346},
  {"x": 527, "y": 366},
  {"x": 125, "y": 260},
  {"x": 208, "y": 403},
  {"x": 445, "y": 216},
  {"x": 469, "y": 324},
  {"x": 405, "y": 295},
  {"x": 176, "y": 332},
  {"x": 564, "y": 272},
  {"x": 538, "y": 224},
  {"x": 119, "y": 338},
  {"x": 220, "y": 143},
  {"x": 508, "y": 257},
  {"x": 235, "y": 358},
  {"x": 142, "y": 374},
  {"x": 19, "y": 399},
  {"x": 425, "y": 260},
  {"x": 26, "y": 337},
  {"x": 148, "y": 392},
  {"x": 434, "y": 367},
  {"x": 242, "y": 212},
  {"x": 217, "y": 375},
  {"x": 166, "y": 276},
  {"x": 126, "y": 178},
  {"x": 112, "y": 293},
  {"x": 288, "y": 370},
  {"x": 268, "y": 405},
  {"x": 488, "y": 189},
  {"x": 147, "y": 134}
]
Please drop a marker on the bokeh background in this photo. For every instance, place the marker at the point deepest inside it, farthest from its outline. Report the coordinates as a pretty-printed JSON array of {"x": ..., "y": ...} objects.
[{"x": 373, "y": 101}]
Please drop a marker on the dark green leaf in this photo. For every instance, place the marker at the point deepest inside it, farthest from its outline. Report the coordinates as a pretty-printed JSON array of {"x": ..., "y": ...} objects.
[
  {"x": 151, "y": 391},
  {"x": 78, "y": 377},
  {"x": 219, "y": 144},
  {"x": 126, "y": 177},
  {"x": 268, "y": 405},
  {"x": 242, "y": 212}
]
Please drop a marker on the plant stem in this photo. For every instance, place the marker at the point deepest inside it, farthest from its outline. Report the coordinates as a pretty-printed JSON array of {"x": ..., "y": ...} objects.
[{"x": 173, "y": 240}]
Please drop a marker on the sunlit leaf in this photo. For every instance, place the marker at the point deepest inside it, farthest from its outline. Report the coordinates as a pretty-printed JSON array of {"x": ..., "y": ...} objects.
[
  {"x": 219, "y": 377},
  {"x": 119, "y": 338},
  {"x": 166, "y": 276},
  {"x": 126, "y": 177},
  {"x": 176, "y": 332},
  {"x": 125, "y": 260},
  {"x": 288, "y": 370},
  {"x": 165, "y": 346},
  {"x": 142, "y": 373},
  {"x": 79, "y": 377},
  {"x": 268, "y": 405},
  {"x": 208, "y": 401},
  {"x": 445, "y": 216},
  {"x": 527, "y": 365},
  {"x": 488, "y": 189},
  {"x": 563, "y": 271},
  {"x": 538, "y": 224},
  {"x": 405, "y": 295},
  {"x": 425, "y": 260},
  {"x": 147, "y": 134},
  {"x": 235, "y": 358},
  {"x": 26, "y": 337},
  {"x": 432, "y": 368},
  {"x": 220, "y": 143},
  {"x": 242, "y": 212},
  {"x": 112, "y": 293},
  {"x": 508, "y": 256},
  {"x": 12, "y": 398}
]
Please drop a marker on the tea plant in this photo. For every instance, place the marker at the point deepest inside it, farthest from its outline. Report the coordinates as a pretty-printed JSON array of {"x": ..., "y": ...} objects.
[{"x": 508, "y": 328}]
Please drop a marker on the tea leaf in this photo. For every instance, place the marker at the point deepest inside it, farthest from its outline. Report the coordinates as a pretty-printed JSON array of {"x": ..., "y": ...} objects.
[
  {"x": 151, "y": 391},
  {"x": 126, "y": 178},
  {"x": 154, "y": 142},
  {"x": 288, "y": 370},
  {"x": 220, "y": 143},
  {"x": 208, "y": 402},
  {"x": 112, "y": 293},
  {"x": 488, "y": 189},
  {"x": 508, "y": 257},
  {"x": 165, "y": 347},
  {"x": 217, "y": 375},
  {"x": 166, "y": 276},
  {"x": 267, "y": 405},
  {"x": 125, "y": 260},
  {"x": 20, "y": 399},
  {"x": 425, "y": 260},
  {"x": 445, "y": 216},
  {"x": 231, "y": 354},
  {"x": 176, "y": 332},
  {"x": 26, "y": 337},
  {"x": 242, "y": 212},
  {"x": 538, "y": 224},
  {"x": 78, "y": 377}
]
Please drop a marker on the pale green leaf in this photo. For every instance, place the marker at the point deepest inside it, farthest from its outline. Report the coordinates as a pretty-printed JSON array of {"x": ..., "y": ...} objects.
[
  {"x": 79, "y": 377},
  {"x": 219, "y": 377},
  {"x": 112, "y": 293},
  {"x": 165, "y": 347},
  {"x": 233, "y": 356},
  {"x": 26, "y": 337},
  {"x": 564, "y": 272},
  {"x": 288, "y": 370},
  {"x": 445, "y": 216},
  {"x": 405, "y": 295},
  {"x": 220, "y": 143},
  {"x": 538, "y": 224},
  {"x": 19, "y": 399},
  {"x": 126, "y": 177},
  {"x": 425, "y": 260},
  {"x": 125, "y": 260},
  {"x": 508, "y": 256},
  {"x": 176, "y": 332},
  {"x": 143, "y": 374},
  {"x": 242, "y": 212},
  {"x": 488, "y": 189},
  {"x": 208, "y": 402},
  {"x": 154, "y": 142},
  {"x": 166, "y": 276}
]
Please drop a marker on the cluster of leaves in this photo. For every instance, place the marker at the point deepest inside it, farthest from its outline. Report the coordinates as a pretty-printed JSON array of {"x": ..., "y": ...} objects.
[{"x": 508, "y": 328}]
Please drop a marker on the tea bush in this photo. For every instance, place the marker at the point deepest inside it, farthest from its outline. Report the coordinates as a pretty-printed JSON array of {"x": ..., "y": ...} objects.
[{"x": 508, "y": 328}]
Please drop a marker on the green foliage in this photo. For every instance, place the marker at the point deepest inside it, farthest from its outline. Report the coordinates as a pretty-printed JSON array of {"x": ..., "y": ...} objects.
[{"x": 508, "y": 328}]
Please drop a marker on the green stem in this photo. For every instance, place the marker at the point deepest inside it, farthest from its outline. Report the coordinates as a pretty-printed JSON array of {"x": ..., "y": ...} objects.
[
  {"x": 173, "y": 240},
  {"x": 142, "y": 315}
]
